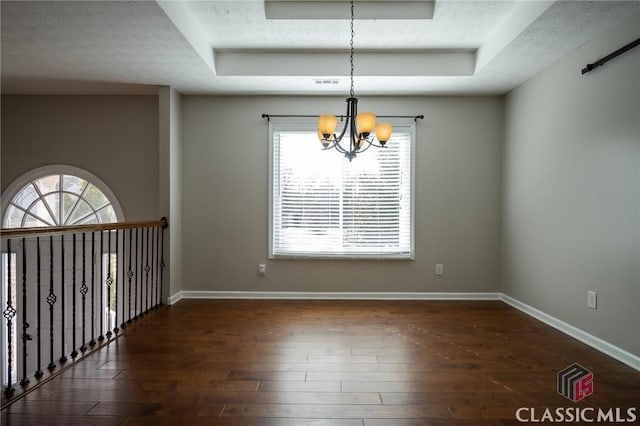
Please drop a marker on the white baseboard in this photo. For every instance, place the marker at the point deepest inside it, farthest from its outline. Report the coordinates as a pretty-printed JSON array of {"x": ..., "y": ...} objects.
[
  {"x": 322, "y": 295},
  {"x": 605, "y": 347},
  {"x": 174, "y": 298}
]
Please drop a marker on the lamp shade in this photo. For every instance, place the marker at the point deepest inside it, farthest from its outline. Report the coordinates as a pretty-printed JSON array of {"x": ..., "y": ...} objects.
[
  {"x": 365, "y": 122},
  {"x": 327, "y": 125},
  {"x": 383, "y": 132},
  {"x": 324, "y": 141}
]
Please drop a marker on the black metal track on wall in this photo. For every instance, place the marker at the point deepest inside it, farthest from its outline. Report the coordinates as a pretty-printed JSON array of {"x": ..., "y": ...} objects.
[{"x": 600, "y": 62}]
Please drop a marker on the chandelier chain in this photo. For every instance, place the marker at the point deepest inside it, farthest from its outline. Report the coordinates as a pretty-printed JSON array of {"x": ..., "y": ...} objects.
[{"x": 352, "y": 91}]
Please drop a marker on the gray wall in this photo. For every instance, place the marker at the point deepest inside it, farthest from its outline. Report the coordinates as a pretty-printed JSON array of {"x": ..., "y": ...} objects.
[
  {"x": 225, "y": 198},
  {"x": 571, "y": 190},
  {"x": 113, "y": 137}
]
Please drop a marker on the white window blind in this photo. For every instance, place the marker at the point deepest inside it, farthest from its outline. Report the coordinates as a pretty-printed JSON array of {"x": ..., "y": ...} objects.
[{"x": 323, "y": 205}]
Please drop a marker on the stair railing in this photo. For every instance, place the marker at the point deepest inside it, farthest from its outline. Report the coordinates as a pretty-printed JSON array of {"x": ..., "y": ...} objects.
[{"x": 70, "y": 289}]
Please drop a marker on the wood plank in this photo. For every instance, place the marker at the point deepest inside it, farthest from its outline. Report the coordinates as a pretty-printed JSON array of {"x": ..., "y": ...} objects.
[
  {"x": 59, "y": 420},
  {"x": 420, "y": 387},
  {"x": 367, "y": 376},
  {"x": 461, "y": 405},
  {"x": 283, "y": 386},
  {"x": 62, "y": 384},
  {"x": 156, "y": 409},
  {"x": 336, "y": 411},
  {"x": 82, "y": 373},
  {"x": 337, "y": 367},
  {"x": 185, "y": 374},
  {"x": 276, "y": 397},
  {"x": 343, "y": 359},
  {"x": 125, "y": 408},
  {"x": 285, "y": 376},
  {"x": 166, "y": 385},
  {"x": 236, "y": 421},
  {"x": 436, "y": 422},
  {"x": 49, "y": 408}
]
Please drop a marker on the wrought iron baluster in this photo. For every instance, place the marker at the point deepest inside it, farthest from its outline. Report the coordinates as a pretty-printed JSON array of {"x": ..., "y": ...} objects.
[
  {"x": 63, "y": 357},
  {"x": 25, "y": 324},
  {"x": 92, "y": 343},
  {"x": 9, "y": 313},
  {"x": 123, "y": 265},
  {"x": 115, "y": 284},
  {"x": 39, "y": 373},
  {"x": 74, "y": 352},
  {"x": 83, "y": 292},
  {"x": 147, "y": 268},
  {"x": 51, "y": 300},
  {"x": 130, "y": 274},
  {"x": 151, "y": 292},
  {"x": 101, "y": 337},
  {"x": 141, "y": 312},
  {"x": 162, "y": 269},
  {"x": 135, "y": 294},
  {"x": 109, "y": 281},
  {"x": 156, "y": 267}
]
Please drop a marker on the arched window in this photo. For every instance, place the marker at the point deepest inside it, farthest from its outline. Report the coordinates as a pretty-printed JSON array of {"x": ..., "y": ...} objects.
[{"x": 58, "y": 196}]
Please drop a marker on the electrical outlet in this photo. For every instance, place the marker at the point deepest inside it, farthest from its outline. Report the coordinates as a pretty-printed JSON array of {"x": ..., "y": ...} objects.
[
  {"x": 439, "y": 269},
  {"x": 592, "y": 299},
  {"x": 262, "y": 269}
]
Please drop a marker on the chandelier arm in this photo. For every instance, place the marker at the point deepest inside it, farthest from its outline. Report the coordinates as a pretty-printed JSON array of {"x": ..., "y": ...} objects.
[
  {"x": 348, "y": 120},
  {"x": 339, "y": 148},
  {"x": 363, "y": 147},
  {"x": 368, "y": 142},
  {"x": 377, "y": 145},
  {"x": 338, "y": 139}
]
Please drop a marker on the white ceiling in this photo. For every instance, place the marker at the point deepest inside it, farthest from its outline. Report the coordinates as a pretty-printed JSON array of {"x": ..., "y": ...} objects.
[{"x": 230, "y": 47}]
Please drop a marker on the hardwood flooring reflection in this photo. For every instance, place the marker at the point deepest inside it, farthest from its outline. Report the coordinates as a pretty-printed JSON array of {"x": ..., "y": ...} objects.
[{"x": 343, "y": 363}]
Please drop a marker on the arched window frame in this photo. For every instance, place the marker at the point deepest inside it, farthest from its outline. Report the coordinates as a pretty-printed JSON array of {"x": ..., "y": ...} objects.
[{"x": 59, "y": 169}]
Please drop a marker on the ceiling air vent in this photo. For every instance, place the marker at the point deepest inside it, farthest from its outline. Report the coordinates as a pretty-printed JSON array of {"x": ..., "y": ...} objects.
[{"x": 327, "y": 81}]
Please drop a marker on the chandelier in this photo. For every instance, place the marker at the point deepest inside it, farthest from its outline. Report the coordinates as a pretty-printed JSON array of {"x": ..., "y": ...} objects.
[{"x": 359, "y": 128}]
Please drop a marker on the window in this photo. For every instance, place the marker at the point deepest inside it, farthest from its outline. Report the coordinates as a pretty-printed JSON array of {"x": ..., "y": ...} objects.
[
  {"x": 323, "y": 205},
  {"x": 58, "y": 199}
]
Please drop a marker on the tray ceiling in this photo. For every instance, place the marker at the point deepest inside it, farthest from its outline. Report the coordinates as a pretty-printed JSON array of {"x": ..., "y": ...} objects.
[{"x": 286, "y": 47}]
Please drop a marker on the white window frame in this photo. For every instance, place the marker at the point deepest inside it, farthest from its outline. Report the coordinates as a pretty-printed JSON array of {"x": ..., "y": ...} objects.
[
  {"x": 59, "y": 169},
  {"x": 298, "y": 124}
]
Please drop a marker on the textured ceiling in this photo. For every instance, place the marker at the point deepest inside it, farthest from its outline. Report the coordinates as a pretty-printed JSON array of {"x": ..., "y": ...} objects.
[
  {"x": 242, "y": 25},
  {"x": 230, "y": 47}
]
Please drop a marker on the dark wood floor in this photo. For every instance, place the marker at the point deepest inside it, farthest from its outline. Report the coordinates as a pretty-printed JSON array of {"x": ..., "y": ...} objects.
[{"x": 324, "y": 363}]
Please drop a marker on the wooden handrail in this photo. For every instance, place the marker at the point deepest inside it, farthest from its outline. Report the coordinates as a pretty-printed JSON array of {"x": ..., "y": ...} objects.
[{"x": 52, "y": 230}]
